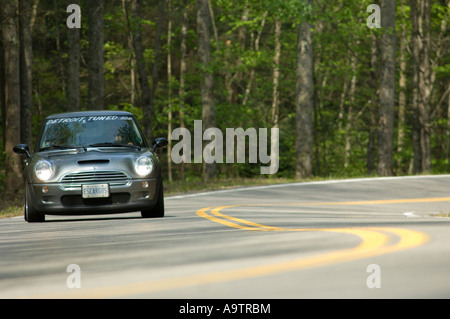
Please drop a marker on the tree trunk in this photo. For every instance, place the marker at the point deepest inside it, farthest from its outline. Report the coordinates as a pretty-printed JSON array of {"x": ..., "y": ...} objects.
[
  {"x": 34, "y": 12},
  {"x": 26, "y": 60},
  {"x": 2, "y": 81},
  {"x": 371, "y": 146},
  {"x": 73, "y": 67},
  {"x": 13, "y": 166},
  {"x": 57, "y": 19},
  {"x": 447, "y": 144},
  {"x": 276, "y": 94},
  {"x": 96, "y": 59},
  {"x": 350, "y": 119},
  {"x": 251, "y": 77},
  {"x": 204, "y": 55},
  {"x": 420, "y": 16},
  {"x": 131, "y": 52},
  {"x": 169, "y": 90},
  {"x": 183, "y": 68},
  {"x": 155, "y": 73},
  {"x": 304, "y": 101},
  {"x": 276, "y": 74},
  {"x": 387, "y": 89},
  {"x": 213, "y": 24},
  {"x": 142, "y": 72},
  {"x": 401, "y": 99}
]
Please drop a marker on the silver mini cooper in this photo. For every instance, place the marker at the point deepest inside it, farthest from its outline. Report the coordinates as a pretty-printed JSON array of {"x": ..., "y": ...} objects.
[{"x": 92, "y": 163}]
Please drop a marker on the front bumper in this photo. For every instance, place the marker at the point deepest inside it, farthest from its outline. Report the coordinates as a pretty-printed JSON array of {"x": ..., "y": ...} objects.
[{"x": 57, "y": 199}]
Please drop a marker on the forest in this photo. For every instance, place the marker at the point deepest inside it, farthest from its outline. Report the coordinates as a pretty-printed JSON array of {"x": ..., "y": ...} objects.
[{"x": 356, "y": 88}]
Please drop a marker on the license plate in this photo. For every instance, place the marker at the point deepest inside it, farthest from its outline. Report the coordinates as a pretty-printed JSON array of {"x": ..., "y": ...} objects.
[{"x": 95, "y": 191}]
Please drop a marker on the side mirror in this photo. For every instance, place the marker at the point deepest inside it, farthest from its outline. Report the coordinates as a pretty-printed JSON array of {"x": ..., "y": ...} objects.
[
  {"x": 22, "y": 149},
  {"x": 159, "y": 143}
]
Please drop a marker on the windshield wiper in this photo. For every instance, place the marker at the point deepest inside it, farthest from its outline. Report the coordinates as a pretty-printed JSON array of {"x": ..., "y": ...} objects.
[
  {"x": 60, "y": 147},
  {"x": 106, "y": 144}
]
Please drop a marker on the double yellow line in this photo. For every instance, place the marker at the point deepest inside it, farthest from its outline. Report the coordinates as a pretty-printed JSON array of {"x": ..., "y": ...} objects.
[{"x": 374, "y": 240}]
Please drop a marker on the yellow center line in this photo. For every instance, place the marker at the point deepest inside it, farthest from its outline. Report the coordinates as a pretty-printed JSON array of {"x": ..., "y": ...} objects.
[
  {"x": 254, "y": 226},
  {"x": 374, "y": 241},
  {"x": 202, "y": 213}
]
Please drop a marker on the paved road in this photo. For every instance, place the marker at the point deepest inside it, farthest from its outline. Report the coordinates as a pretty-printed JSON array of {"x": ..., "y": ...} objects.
[{"x": 364, "y": 238}]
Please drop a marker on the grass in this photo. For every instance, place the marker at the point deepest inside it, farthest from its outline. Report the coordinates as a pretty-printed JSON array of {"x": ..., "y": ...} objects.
[
  {"x": 11, "y": 211},
  {"x": 11, "y": 206},
  {"x": 441, "y": 214},
  {"x": 182, "y": 187}
]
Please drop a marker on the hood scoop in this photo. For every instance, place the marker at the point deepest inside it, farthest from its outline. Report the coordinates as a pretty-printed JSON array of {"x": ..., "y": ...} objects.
[{"x": 93, "y": 162}]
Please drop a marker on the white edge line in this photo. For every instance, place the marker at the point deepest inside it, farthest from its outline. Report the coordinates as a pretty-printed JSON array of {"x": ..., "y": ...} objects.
[{"x": 249, "y": 188}]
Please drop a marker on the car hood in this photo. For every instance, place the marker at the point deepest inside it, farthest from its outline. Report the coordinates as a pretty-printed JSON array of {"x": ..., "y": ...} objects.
[{"x": 99, "y": 159}]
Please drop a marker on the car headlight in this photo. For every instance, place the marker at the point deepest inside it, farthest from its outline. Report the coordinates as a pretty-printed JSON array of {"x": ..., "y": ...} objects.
[
  {"x": 143, "y": 165},
  {"x": 43, "y": 170}
]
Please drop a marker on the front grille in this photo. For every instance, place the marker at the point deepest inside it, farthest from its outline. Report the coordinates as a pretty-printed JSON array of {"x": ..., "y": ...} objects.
[
  {"x": 113, "y": 178},
  {"x": 78, "y": 201}
]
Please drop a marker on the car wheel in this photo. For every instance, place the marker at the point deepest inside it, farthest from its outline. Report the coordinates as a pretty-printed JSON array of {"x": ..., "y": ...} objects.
[
  {"x": 30, "y": 213},
  {"x": 158, "y": 209}
]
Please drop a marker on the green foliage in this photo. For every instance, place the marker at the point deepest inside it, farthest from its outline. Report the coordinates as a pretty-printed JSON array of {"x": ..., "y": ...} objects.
[{"x": 243, "y": 76}]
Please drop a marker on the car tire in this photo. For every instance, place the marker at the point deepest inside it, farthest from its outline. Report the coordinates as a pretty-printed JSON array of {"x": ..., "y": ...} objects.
[
  {"x": 31, "y": 215},
  {"x": 158, "y": 210}
]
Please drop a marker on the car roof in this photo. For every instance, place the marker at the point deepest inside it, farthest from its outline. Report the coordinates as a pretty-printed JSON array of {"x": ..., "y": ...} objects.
[{"x": 90, "y": 113}]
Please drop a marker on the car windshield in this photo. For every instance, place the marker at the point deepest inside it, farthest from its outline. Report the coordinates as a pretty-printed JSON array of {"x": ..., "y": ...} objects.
[{"x": 94, "y": 131}]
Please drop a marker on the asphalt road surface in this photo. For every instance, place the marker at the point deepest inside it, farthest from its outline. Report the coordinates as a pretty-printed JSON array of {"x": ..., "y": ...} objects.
[{"x": 362, "y": 238}]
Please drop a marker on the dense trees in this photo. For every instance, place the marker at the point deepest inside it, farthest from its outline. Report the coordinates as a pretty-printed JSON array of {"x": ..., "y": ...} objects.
[{"x": 348, "y": 99}]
